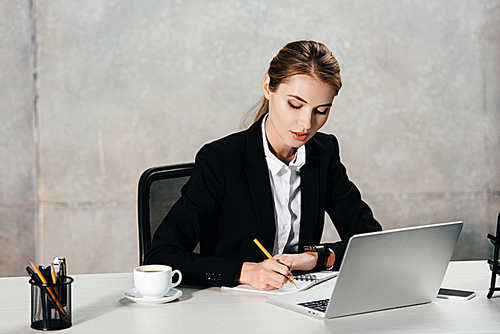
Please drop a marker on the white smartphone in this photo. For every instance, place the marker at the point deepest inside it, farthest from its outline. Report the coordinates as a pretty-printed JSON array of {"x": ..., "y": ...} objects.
[{"x": 455, "y": 294}]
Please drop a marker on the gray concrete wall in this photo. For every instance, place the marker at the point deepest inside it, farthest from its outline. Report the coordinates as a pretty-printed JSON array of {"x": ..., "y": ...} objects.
[
  {"x": 18, "y": 211},
  {"x": 125, "y": 85}
]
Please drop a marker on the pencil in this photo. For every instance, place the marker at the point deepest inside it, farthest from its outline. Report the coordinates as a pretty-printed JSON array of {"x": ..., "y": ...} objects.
[
  {"x": 271, "y": 258},
  {"x": 54, "y": 279},
  {"x": 51, "y": 293}
]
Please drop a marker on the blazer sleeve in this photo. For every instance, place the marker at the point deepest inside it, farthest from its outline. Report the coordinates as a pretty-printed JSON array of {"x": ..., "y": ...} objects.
[
  {"x": 191, "y": 219},
  {"x": 348, "y": 212}
]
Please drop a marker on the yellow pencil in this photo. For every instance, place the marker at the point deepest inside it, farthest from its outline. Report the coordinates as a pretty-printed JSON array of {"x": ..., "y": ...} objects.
[
  {"x": 271, "y": 258},
  {"x": 54, "y": 279}
]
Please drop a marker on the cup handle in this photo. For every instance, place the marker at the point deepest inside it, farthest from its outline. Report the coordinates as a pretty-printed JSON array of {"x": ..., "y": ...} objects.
[{"x": 178, "y": 280}]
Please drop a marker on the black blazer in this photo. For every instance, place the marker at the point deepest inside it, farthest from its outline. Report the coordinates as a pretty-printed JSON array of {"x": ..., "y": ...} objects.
[{"x": 228, "y": 202}]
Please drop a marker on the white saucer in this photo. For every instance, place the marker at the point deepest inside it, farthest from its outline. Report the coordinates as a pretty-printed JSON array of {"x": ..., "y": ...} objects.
[{"x": 135, "y": 296}]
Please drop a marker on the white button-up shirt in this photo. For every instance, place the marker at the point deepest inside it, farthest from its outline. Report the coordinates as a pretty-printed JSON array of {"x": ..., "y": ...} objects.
[{"x": 285, "y": 186}]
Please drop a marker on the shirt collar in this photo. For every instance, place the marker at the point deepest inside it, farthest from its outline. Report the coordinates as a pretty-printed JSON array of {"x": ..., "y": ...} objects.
[{"x": 273, "y": 163}]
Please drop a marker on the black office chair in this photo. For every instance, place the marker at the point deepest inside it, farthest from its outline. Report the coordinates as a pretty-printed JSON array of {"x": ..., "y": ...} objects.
[
  {"x": 159, "y": 189},
  {"x": 494, "y": 263}
]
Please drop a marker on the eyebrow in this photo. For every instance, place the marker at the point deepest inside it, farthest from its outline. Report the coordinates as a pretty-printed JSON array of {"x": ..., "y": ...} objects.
[{"x": 301, "y": 99}]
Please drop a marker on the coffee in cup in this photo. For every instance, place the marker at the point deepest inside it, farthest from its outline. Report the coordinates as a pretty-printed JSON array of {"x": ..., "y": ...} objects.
[{"x": 154, "y": 281}]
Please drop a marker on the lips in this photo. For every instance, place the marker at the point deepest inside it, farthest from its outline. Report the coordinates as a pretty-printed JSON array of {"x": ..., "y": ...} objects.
[{"x": 300, "y": 136}]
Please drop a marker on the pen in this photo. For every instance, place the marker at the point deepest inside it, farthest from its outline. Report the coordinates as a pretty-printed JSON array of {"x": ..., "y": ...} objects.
[
  {"x": 271, "y": 258},
  {"x": 60, "y": 269},
  {"x": 45, "y": 303},
  {"x": 45, "y": 311}
]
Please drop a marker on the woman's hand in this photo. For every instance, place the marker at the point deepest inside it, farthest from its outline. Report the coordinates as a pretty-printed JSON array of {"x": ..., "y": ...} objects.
[
  {"x": 266, "y": 275},
  {"x": 303, "y": 261}
]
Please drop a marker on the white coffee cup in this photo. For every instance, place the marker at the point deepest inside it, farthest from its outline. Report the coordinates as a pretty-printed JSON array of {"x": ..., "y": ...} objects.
[{"x": 154, "y": 281}]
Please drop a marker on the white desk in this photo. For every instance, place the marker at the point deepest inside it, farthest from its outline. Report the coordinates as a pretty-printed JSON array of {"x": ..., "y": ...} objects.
[{"x": 98, "y": 307}]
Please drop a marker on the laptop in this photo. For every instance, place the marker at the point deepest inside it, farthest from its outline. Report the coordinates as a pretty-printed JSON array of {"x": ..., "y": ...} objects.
[{"x": 383, "y": 270}]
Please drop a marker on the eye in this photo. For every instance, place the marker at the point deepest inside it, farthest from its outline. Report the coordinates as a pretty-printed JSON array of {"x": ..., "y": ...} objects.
[
  {"x": 293, "y": 105},
  {"x": 322, "y": 111}
]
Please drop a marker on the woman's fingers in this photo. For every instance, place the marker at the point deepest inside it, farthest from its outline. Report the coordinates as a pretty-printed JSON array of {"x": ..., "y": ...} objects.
[
  {"x": 266, "y": 275},
  {"x": 269, "y": 275}
]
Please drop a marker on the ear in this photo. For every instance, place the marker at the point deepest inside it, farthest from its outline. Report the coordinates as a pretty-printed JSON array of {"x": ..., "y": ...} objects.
[{"x": 265, "y": 87}]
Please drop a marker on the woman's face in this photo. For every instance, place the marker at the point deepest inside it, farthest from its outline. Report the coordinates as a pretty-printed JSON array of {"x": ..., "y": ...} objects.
[{"x": 297, "y": 110}]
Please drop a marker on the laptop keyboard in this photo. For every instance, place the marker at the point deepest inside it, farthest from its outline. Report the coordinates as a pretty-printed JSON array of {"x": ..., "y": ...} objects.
[{"x": 318, "y": 305}]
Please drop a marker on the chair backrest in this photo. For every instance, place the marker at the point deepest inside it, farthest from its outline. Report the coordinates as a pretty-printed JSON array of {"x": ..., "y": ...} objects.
[{"x": 159, "y": 189}]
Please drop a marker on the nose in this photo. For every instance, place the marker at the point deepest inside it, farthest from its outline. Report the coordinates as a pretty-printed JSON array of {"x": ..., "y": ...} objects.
[{"x": 305, "y": 119}]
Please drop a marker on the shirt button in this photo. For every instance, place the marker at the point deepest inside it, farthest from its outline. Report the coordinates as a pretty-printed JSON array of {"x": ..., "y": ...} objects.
[{"x": 285, "y": 200}]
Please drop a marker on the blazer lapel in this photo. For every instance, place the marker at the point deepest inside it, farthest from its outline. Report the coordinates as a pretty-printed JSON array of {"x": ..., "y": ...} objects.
[
  {"x": 260, "y": 187},
  {"x": 309, "y": 187}
]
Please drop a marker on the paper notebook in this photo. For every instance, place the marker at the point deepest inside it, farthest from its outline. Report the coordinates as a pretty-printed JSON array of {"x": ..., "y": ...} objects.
[{"x": 303, "y": 281}]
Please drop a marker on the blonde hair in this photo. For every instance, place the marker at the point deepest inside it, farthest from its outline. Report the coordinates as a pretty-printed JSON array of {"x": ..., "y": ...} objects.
[{"x": 301, "y": 57}]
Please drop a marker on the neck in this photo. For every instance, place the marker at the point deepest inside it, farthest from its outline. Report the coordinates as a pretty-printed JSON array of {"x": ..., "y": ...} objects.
[
  {"x": 285, "y": 158},
  {"x": 285, "y": 154}
]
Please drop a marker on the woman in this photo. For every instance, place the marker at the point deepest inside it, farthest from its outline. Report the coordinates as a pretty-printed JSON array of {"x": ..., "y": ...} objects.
[{"x": 273, "y": 182}]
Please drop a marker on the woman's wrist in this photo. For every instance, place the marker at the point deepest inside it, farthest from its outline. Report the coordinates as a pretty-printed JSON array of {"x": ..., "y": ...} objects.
[
  {"x": 313, "y": 254},
  {"x": 325, "y": 257},
  {"x": 330, "y": 259},
  {"x": 321, "y": 256},
  {"x": 242, "y": 277}
]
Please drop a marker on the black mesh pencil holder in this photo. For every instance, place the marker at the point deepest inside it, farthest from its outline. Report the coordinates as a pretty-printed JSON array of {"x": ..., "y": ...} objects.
[{"x": 51, "y": 304}]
